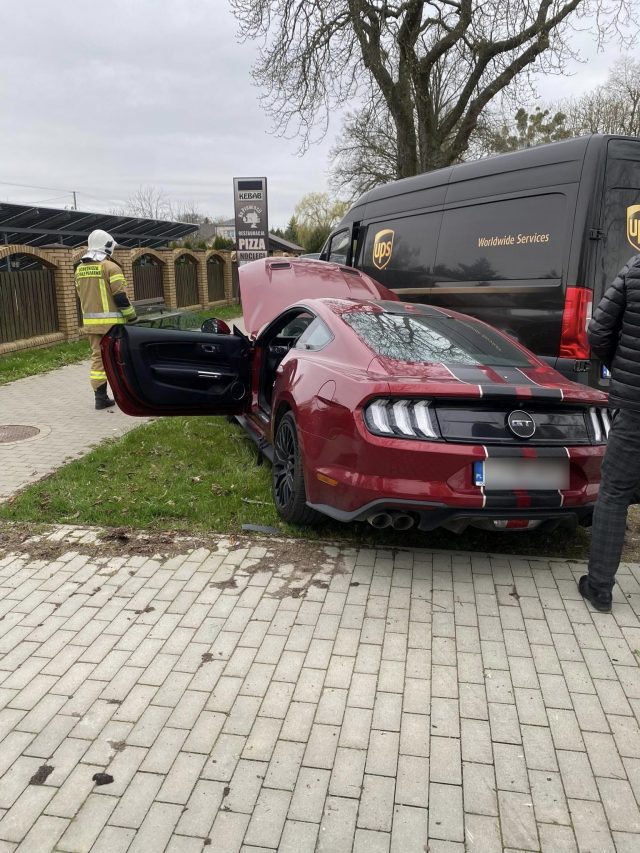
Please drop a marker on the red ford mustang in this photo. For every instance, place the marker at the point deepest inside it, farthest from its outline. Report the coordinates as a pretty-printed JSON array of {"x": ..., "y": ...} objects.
[{"x": 373, "y": 409}]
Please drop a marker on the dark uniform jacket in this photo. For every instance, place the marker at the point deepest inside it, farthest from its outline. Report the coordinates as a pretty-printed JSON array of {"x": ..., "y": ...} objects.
[{"x": 614, "y": 334}]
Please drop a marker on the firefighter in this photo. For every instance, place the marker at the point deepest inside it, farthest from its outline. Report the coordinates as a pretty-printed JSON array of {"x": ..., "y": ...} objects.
[{"x": 104, "y": 301}]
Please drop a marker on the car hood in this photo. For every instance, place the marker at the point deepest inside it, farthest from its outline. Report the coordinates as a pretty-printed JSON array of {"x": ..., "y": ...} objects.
[
  {"x": 268, "y": 287},
  {"x": 536, "y": 382}
]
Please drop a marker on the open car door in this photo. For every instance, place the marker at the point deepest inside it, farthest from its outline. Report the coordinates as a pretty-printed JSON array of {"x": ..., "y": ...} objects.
[{"x": 167, "y": 372}]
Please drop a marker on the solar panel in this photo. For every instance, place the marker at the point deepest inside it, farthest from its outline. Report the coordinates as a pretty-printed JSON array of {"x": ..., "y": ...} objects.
[{"x": 47, "y": 226}]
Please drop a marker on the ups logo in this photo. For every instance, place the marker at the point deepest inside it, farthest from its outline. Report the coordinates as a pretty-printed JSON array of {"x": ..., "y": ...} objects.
[
  {"x": 633, "y": 226},
  {"x": 383, "y": 248}
]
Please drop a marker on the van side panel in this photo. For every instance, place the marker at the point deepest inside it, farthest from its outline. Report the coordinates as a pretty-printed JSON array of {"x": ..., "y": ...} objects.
[
  {"x": 501, "y": 260},
  {"x": 451, "y": 237}
]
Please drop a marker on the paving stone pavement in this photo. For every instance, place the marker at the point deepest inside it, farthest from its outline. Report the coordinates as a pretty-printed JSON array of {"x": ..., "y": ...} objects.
[
  {"x": 256, "y": 696},
  {"x": 60, "y": 405}
]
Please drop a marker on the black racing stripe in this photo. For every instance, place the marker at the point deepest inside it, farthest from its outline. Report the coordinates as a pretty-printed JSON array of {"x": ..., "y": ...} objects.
[
  {"x": 545, "y": 500},
  {"x": 509, "y": 500},
  {"x": 501, "y": 451},
  {"x": 501, "y": 500},
  {"x": 525, "y": 450},
  {"x": 551, "y": 452},
  {"x": 517, "y": 382},
  {"x": 501, "y": 391},
  {"x": 546, "y": 393},
  {"x": 513, "y": 376},
  {"x": 470, "y": 375}
]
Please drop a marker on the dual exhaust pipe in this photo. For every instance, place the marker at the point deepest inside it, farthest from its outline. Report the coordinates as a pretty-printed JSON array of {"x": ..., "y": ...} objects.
[{"x": 397, "y": 520}]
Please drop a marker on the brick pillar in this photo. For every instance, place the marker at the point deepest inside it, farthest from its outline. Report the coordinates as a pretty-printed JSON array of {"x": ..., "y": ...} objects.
[
  {"x": 123, "y": 258},
  {"x": 228, "y": 274},
  {"x": 203, "y": 282},
  {"x": 169, "y": 280},
  {"x": 65, "y": 291}
]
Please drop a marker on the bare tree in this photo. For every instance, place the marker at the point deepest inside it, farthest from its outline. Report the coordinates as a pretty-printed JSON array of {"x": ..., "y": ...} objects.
[
  {"x": 189, "y": 212},
  {"x": 364, "y": 155},
  {"x": 613, "y": 107},
  {"x": 437, "y": 64},
  {"x": 150, "y": 202}
]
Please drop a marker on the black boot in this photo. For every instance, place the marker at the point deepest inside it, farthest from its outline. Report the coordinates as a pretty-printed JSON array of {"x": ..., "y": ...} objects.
[
  {"x": 102, "y": 400},
  {"x": 599, "y": 598}
]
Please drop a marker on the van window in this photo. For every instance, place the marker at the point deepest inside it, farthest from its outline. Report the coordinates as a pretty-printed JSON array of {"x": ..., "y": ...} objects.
[
  {"x": 339, "y": 247},
  {"x": 515, "y": 239},
  {"x": 400, "y": 253}
]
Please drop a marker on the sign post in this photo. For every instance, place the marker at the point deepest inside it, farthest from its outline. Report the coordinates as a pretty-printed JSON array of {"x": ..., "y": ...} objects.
[{"x": 252, "y": 224}]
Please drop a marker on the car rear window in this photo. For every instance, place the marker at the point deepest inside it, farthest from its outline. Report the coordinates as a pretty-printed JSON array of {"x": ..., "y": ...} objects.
[{"x": 433, "y": 339}]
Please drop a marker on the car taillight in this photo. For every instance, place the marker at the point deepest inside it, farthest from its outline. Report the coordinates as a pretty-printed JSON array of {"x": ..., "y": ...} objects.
[
  {"x": 575, "y": 319},
  {"x": 401, "y": 418}
]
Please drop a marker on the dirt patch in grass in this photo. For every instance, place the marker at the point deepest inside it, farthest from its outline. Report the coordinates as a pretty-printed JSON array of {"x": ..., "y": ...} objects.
[
  {"x": 25, "y": 539},
  {"x": 299, "y": 558}
]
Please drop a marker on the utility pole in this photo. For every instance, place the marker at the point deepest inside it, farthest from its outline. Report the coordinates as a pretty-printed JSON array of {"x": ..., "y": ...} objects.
[{"x": 75, "y": 203}]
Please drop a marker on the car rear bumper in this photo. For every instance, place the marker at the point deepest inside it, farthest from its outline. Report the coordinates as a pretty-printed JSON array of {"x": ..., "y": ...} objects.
[
  {"x": 429, "y": 516},
  {"x": 433, "y": 482}
]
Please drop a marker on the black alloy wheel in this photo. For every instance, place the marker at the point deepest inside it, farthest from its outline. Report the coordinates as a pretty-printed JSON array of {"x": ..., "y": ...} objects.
[{"x": 287, "y": 478}]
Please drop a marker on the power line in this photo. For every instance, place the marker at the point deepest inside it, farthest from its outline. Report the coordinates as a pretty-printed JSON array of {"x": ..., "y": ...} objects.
[{"x": 49, "y": 189}]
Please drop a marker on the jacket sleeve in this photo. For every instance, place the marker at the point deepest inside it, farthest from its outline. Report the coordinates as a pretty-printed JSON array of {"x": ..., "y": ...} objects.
[
  {"x": 605, "y": 327},
  {"x": 118, "y": 284}
]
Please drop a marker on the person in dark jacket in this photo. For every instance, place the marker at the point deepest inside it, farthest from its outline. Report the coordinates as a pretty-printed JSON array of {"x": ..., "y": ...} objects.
[{"x": 614, "y": 334}]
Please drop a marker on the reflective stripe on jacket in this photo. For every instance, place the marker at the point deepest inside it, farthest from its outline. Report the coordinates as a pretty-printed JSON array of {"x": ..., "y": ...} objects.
[{"x": 103, "y": 296}]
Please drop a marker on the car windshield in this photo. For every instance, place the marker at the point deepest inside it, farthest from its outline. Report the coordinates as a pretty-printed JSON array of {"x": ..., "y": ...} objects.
[{"x": 433, "y": 339}]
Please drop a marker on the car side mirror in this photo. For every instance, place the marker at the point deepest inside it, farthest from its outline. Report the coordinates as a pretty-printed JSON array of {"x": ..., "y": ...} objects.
[{"x": 213, "y": 326}]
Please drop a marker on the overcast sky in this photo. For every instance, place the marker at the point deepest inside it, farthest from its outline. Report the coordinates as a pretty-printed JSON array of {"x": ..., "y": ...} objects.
[{"x": 105, "y": 97}]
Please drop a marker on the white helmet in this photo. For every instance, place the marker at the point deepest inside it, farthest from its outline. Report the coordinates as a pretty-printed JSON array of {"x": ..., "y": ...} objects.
[{"x": 101, "y": 243}]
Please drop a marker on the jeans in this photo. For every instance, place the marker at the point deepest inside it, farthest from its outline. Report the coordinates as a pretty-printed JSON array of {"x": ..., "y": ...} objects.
[{"x": 620, "y": 482}]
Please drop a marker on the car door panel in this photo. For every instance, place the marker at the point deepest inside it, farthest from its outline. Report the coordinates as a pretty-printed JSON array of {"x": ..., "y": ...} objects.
[{"x": 170, "y": 372}]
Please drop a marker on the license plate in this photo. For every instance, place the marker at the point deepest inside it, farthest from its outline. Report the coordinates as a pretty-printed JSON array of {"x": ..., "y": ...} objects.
[{"x": 529, "y": 474}]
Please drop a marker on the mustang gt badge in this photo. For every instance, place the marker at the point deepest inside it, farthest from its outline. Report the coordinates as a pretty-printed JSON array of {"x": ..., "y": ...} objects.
[
  {"x": 521, "y": 424},
  {"x": 382, "y": 248}
]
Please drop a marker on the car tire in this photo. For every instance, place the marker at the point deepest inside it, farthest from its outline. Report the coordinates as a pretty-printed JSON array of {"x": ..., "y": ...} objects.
[{"x": 287, "y": 476}]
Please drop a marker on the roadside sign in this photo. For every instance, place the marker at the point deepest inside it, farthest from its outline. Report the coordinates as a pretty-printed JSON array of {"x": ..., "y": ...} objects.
[{"x": 251, "y": 213}]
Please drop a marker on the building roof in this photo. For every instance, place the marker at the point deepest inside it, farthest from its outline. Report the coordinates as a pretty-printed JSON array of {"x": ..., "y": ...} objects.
[
  {"x": 208, "y": 232},
  {"x": 284, "y": 245},
  {"x": 46, "y": 226}
]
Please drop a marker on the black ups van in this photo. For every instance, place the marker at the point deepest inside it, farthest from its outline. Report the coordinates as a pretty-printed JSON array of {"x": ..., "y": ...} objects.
[{"x": 526, "y": 241}]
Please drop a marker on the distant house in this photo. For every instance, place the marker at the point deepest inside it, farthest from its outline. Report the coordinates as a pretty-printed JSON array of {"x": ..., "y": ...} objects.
[{"x": 227, "y": 230}]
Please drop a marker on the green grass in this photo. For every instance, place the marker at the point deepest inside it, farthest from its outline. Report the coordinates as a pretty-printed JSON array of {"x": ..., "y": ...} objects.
[
  {"x": 200, "y": 475},
  {"x": 223, "y": 312},
  {"x": 29, "y": 362}
]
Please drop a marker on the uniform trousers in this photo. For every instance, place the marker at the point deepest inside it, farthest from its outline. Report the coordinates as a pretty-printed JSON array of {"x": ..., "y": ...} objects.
[
  {"x": 97, "y": 375},
  {"x": 618, "y": 488}
]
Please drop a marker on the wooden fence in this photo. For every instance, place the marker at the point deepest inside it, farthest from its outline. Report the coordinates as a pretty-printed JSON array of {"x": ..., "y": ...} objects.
[
  {"x": 147, "y": 282},
  {"x": 27, "y": 304},
  {"x": 215, "y": 279},
  {"x": 186, "y": 282}
]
